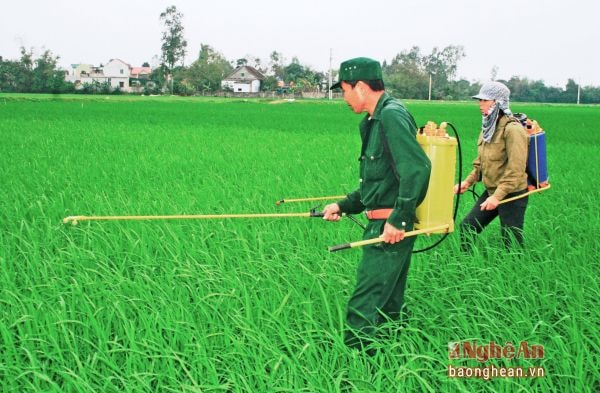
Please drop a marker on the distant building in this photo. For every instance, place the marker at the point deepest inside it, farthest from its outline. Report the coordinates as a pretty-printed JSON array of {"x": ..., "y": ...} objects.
[
  {"x": 86, "y": 70},
  {"x": 244, "y": 79},
  {"x": 116, "y": 73},
  {"x": 141, "y": 72},
  {"x": 139, "y": 77}
]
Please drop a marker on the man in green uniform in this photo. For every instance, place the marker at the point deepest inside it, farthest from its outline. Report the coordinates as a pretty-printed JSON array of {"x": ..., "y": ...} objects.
[{"x": 394, "y": 175}]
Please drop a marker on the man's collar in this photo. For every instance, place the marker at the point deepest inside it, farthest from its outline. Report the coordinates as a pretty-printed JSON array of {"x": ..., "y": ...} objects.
[{"x": 384, "y": 97}]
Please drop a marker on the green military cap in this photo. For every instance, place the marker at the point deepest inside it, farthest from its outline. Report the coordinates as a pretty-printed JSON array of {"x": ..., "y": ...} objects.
[{"x": 359, "y": 69}]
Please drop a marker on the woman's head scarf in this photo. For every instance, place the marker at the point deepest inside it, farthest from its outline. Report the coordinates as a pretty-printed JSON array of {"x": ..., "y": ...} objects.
[{"x": 500, "y": 94}]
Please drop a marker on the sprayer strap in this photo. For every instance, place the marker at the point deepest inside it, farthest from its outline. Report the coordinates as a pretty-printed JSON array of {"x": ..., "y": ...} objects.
[{"x": 388, "y": 152}]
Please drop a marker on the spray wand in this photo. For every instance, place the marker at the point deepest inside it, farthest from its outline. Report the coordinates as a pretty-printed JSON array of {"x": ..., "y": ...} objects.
[{"x": 74, "y": 220}]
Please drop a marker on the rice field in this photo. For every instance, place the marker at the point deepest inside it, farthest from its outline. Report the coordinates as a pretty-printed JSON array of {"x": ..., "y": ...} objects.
[{"x": 258, "y": 305}]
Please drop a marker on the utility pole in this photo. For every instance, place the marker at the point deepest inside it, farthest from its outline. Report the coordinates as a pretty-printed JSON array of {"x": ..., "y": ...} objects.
[
  {"x": 578, "y": 91},
  {"x": 330, "y": 73},
  {"x": 430, "y": 86}
]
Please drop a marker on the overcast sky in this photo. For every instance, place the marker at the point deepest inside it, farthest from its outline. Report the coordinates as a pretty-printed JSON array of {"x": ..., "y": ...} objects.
[{"x": 550, "y": 40}]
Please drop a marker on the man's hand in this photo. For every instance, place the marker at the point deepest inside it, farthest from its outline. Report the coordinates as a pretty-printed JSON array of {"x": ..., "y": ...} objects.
[
  {"x": 490, "y": 204},
  {"x": 464, "y": 186},
  {"x": 391, "y": 234},
  {"x": 332, "y": 212}
]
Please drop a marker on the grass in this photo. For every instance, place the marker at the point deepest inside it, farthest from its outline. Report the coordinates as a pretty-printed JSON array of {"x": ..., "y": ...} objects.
[{"x": 259, "y": 305}]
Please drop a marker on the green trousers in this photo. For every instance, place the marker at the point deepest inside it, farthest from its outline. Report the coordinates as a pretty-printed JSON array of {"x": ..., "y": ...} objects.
[{"x": 380, "y": 283}]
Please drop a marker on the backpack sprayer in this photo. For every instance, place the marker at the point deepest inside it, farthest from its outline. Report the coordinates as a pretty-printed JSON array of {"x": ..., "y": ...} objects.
[{"x": 537, "y": 170}]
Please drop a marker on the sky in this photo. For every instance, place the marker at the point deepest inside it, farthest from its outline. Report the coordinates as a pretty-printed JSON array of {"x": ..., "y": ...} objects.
[{"x": 540, "y": 40}]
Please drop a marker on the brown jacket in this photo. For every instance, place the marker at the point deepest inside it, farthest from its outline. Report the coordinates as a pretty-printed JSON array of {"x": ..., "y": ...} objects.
[{"x": 501, "y": 163}]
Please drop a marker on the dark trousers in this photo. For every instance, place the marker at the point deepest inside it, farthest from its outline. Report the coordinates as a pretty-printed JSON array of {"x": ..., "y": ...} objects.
[
  {"x": 512, "y": 218},
  {"x": 380, "y": 284}
]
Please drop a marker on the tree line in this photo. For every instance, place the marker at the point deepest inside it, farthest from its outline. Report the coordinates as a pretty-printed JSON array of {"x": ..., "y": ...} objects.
[
  {"x": 406, "y": 76},
  {"x": 410, "y": 74},
  {"x": 33, "y": 75}
]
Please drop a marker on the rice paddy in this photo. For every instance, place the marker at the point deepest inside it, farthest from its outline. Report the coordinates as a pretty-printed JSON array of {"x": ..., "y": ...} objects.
[{"x": 258, "y": 305}]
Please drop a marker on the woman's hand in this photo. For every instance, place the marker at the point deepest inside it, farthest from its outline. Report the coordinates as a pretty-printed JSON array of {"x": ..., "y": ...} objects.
[
  {"x": 490, "y": 204},
  {"x": 464, "y": 186}
]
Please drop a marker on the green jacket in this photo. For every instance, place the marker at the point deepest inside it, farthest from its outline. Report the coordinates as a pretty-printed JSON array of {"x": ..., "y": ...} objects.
[
  {"x": 501, "y": 163},
  {"x": 379, "y": 187}
]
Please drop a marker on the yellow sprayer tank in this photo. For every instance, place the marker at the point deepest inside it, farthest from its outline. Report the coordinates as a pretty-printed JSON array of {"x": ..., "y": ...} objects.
[{"x": 436, "y": 208}]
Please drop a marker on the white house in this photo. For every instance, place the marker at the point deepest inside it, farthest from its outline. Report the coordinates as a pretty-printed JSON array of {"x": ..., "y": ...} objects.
[
  {"x": 244, "y": 79},
  {"x": 117, "y": 72}
]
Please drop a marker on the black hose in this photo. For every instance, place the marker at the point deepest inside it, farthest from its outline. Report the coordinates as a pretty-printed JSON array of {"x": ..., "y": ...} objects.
[
  {"x": 354, "y": 220},
  {"x": 472, "y": 191},
  {"x": 457, "y": 201}
]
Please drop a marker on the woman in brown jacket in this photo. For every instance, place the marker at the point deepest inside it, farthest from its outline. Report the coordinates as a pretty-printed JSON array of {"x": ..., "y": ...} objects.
[{"x": 500, "y": 165}]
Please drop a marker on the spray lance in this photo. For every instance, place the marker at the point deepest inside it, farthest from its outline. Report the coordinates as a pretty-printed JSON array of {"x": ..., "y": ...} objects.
[
  {"x": 325, "y": 198},
  {"x": 313, "y": 213},
  {"x": 74, "y": 220}
]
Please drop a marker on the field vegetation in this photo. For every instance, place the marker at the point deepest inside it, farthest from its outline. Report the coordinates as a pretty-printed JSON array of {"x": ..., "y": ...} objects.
[{"x": 258, "y": 305}]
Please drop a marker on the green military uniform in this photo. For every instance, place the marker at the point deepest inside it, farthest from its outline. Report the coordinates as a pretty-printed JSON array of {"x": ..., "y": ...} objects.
[{"x": 381, "y": 276}]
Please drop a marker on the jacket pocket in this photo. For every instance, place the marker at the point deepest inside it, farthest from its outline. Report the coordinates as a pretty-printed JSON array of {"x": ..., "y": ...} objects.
[{"x": 375, "y": 166}]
